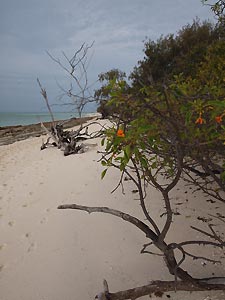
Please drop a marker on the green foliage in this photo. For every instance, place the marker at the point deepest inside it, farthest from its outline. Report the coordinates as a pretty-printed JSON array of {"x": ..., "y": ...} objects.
[
  {"x": 171, "y": 119},
  {"x": 172, "y": 55},
  {"x": 102, "y": 95},
  {"x": 218, "y": 8},
  {"x": 103, "y": 173},
  {"x": 178, "y": 126}
]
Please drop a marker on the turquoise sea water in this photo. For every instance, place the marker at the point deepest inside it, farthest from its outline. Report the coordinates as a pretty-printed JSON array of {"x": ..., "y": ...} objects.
[{"x": 19, "y": 118}]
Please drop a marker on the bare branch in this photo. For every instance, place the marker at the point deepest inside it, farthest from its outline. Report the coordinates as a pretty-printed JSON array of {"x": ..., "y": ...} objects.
[
  {"x": 159, "y": 287},
  {"x": 50, "y": 134},
  {"x": 221, "y": 245},
  {"x": 76, "y": 68},
  {"x": 126, "y": 217},
  {"x": 202, "y": 258},
  {"x": 143, "y": 250},
  {"x": 217, "y": 217},
  {"x": 142, "y": 201},
  {"x": 169, "y": 216},
  {"x": 214, "y": 236},
  {"x": 119, "y": 183},
  {"x": 205, "y": 233},
  {"x": 44, "y": 94},
  {"x": 58, "y": 62}
]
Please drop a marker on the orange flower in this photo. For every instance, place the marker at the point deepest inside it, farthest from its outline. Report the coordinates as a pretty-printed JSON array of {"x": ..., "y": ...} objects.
[
  {"x": 199, "y": 121},
  {"x": 218, "y": 119},
  {"x": 120, "y": 133}
]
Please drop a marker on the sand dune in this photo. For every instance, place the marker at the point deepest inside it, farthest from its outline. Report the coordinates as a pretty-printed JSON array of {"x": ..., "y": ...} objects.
[{"x": 50, "y": 254}]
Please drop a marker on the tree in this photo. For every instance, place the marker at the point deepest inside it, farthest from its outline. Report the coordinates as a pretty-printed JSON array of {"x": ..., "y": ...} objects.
[
  {"x": 145, "y": 154},
  {"x": 70, "y": 142},
  {"x": 172, "y": 55},
  {"x": 76, "y": 67},
  {"x": 218, "y": 9},
  {"x": 175, "y": 130},
  {"x": 102, "y": 95}
]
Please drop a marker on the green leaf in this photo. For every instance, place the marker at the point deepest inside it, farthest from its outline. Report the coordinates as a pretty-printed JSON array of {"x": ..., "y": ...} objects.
[
  {"x": 125, "y": 160},
  {"x": 154, "y": 165},
  {"x": 122, "y": 166},
  {"x": 103, "y": 141},
  {"x": 118, "y": 158},
  {"x": 188, "y": 117},
  {"x": 103, "y": 173},
  {"x": 108, "y": 146},
  {"x": 104, "y": 163},
  {"x": 127, "y": 152},
  {"x": 223, "y": 175},
  {"x": 143, "y": 162}
]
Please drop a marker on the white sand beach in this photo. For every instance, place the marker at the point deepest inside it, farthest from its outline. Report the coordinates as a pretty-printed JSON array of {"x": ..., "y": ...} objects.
[{"x": 51, "y": 254}]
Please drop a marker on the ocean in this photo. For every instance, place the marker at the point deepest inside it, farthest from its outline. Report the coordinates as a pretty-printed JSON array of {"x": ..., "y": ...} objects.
[{"x": 26, "y": 118}]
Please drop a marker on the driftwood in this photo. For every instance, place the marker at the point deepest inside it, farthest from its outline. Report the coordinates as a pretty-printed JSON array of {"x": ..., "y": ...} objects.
[
  {"x": 70, "y": 142},
  {"x": 12, "y": 134}
]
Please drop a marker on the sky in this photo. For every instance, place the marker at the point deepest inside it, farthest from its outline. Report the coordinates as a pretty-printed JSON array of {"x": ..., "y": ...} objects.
[{"x": 30, "y": 28}]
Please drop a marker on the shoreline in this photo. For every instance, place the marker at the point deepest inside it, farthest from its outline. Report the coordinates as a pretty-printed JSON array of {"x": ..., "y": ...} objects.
[
  {"x": 8, "y": 119},
  {"x": 12, "y": 134}
]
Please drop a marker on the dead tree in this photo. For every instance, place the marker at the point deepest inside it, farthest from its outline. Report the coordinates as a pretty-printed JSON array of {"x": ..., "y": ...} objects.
[
  {"x": 76, "y": 67},
  {"x": 69, "y": 141}
]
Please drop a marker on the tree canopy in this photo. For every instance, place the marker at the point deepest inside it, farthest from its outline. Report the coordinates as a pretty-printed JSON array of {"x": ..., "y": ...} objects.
[
  {"x": 176, "y": 99},
  {"x": 172, "y": 55}
]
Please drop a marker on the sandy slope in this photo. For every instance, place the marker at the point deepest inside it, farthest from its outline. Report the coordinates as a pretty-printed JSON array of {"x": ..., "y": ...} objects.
[{"x": 50, "y": 254}]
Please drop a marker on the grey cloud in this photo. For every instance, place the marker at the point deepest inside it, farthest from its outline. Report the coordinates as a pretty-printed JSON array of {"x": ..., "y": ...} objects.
[{"x": 28, "y": 28}]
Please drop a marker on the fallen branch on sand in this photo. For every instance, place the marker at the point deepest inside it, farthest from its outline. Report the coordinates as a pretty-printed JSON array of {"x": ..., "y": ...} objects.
[
  {"x": 155, "y": 287},
  {"x": 185, "y": 282},
  {"x": 71, "y": 142}
]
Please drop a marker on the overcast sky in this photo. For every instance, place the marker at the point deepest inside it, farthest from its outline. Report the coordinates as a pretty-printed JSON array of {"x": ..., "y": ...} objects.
[{"x": 29, "y": 28}]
